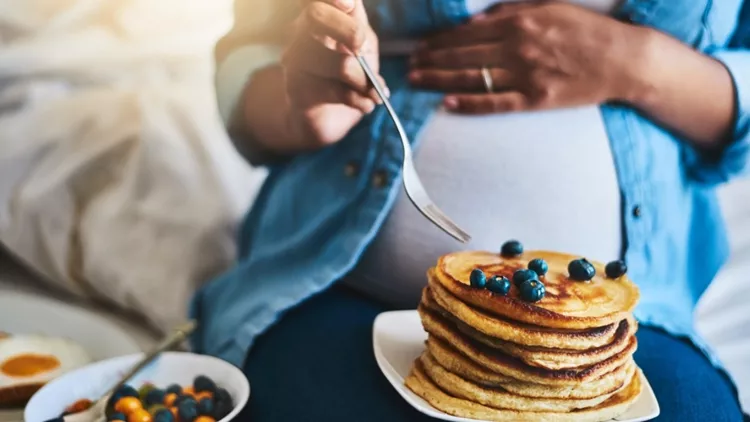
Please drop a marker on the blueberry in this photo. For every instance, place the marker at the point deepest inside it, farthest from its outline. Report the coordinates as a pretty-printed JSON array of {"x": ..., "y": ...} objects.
[
  {"x": 163, "y": 415},
  {"x": 511, "y": 249},
  {"x": 532, "y": 291},
  {"x": 223, "y": 395},
  {"x": 174, "y": 388},
  {"x": 539, "y": 266},
  {"x": 522, "y": 276},
  {"x": 499, "y": 284},
  {"x": 187, "y": 410},
  {"x": 203, "y": 383},
  {"x": 155, "y": 396},
  {"x": 128, "y": 391},
  {"x": 222, "y": 409},
  {"x": 206, "y": 407},
  {"x": 117, "y": 417},
  {"x": 224, "y": 404},
  {"x": 581, "y": 270},
  {"x": 616, "y": 269},
  {"x": 478, "y": 279},
  {"x": 124, "y": 391},
  {"x": 182, "y": 398},
  {"x": 143, "y": 391}
]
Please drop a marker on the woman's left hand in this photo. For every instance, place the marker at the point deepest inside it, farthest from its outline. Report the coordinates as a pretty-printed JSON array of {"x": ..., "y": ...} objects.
[{"x": 539, "y": 55}]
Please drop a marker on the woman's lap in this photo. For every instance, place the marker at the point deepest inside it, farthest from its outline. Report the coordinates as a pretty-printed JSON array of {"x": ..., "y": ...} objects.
[{"x": 317, "y": 364}]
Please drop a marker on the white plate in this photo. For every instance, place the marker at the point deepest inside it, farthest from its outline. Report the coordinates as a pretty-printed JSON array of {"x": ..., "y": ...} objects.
[
  {"x": 398, "y": 339},
  {"x": 92, "y": 381},
  {"x": 24, "y": 313}
]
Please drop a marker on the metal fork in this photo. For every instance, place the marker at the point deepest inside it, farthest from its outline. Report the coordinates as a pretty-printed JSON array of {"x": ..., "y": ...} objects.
[{"x": 412, "y": 184}]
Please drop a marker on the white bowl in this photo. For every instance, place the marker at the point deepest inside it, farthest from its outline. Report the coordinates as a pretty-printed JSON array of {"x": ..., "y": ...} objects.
[{"x": 94, "y": 380}]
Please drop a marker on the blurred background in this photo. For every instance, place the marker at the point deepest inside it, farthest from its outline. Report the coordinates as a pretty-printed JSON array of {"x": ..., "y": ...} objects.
[{"x": 117, "y": 181}]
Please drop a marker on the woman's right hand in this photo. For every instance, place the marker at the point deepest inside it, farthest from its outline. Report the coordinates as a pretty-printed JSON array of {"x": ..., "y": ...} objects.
[{"x": 327, "y": 90}]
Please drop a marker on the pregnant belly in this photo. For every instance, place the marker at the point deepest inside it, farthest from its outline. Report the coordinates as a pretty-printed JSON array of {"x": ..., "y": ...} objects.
[{"x": 545, "y": 178}]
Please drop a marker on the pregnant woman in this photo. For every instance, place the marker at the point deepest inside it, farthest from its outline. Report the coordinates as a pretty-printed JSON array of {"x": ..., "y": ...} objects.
[{"x": 599, "y": 127}]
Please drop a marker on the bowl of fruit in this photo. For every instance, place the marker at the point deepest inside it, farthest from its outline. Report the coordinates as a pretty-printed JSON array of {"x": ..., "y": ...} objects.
[{"x": 176, "y": 387}]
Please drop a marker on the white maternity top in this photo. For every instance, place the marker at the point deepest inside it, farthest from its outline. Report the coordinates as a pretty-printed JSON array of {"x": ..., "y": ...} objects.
[{"x": 545, "y": 178}]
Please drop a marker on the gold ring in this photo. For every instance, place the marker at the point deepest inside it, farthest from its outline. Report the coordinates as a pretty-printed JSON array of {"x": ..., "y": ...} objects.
[{"x": 487, "y": 77}]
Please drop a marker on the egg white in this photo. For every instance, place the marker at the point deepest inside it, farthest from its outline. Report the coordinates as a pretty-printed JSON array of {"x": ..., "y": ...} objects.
[{"x": 69, "y": 353}]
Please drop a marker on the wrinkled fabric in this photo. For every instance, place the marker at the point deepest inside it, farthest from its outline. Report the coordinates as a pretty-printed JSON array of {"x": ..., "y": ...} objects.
[{"x": 117, "y": 181}]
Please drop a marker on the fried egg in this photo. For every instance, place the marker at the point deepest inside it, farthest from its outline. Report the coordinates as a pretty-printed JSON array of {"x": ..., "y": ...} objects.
[{"x": 28, "y": 362}]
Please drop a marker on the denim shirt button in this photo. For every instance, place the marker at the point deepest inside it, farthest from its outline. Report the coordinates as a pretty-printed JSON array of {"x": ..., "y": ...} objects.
[
  {"x": 351, "y": 169},
  {"x": 637, "y": 212},
  {"x": 380, "y": 179}
]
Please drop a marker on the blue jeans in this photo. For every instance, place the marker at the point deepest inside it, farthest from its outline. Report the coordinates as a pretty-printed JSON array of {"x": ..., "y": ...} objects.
[{"x": 317, "y": 364}]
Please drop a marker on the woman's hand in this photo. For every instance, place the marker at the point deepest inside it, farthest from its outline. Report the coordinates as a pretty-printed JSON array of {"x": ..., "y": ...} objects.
[
  {"x": 540, "y": 56},
  {"x": 327, "y": 90},
  {"x": 318, "y": 93}
]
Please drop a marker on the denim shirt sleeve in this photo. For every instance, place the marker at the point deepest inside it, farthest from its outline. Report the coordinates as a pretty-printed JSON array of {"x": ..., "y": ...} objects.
[{"x": 734, "y": 160}]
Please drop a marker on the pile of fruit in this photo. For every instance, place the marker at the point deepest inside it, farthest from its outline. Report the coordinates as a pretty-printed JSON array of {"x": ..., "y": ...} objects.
[{"x": 204, "y": 401}]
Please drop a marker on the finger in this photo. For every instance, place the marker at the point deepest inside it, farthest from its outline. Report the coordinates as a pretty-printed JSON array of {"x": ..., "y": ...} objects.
[
  {"x": 465, "y": 80},
  {"x": 308, "y": 56},
  {"x": 461, "y": 57},
  {"x": 486, "y": 28},
  {"x": 486, "y": 103},
  {"x": 326, "y": 21},
  {"x": 350, "y": 7},
  {"x": 305, "y": 91},
  {"x": 511, "y": 7},
  {"x": 311, "y": 57}
]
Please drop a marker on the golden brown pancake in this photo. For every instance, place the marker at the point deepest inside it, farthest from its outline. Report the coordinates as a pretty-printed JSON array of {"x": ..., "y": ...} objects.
[
  {"x": 544, "y": 357},
  {"x": 497, "y": 397},
  {"x": 567, "y": 304},
  {"x": 421, "y": 385},
  {"x": 453, "y": 361},
  {"x": 516, "y": 332},
  {"x": 496, "y": 361}
]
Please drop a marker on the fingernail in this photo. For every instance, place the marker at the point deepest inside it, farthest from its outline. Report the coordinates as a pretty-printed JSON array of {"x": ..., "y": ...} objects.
[
  {"x": 345, "y": 5},
  {"x": 387, "y": 92},
  {"x": 479, "y": 17},
  {"x": 415, "y": 76},
  {"x": 451, "y": 103}
]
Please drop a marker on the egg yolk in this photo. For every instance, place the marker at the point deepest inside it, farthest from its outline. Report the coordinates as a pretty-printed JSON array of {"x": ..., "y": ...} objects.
[{"x": 27, "y": 365}]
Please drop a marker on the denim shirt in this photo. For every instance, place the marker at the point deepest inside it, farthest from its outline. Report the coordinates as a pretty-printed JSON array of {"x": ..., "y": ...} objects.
[{"x": 316, "y": 213}]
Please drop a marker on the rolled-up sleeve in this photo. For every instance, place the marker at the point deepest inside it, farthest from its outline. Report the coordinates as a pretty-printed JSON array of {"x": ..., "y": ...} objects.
[
  {"x": 256, "y": 41},
  {"x": 734, "y": 159},
  {"x": 234, "y": 71}
]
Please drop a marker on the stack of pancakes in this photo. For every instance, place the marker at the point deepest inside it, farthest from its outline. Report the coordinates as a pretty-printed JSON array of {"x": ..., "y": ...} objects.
[{"x": 494, "y": 357}]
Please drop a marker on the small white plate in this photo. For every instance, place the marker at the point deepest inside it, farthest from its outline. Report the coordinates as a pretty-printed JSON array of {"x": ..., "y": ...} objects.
[
  {"x": 92, "y": 381},
  {"x": 398, "y": 339}
]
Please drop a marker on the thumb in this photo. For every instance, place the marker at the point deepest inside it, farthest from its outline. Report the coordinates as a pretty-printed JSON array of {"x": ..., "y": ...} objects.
[
  {"x": 355, "y": 8},
  {"x": 359, "y": 11}
]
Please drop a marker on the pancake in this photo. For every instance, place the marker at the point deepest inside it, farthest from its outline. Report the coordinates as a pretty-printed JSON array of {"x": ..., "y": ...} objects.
[
  {"x": 453, "y": 361},
  {"x": 520, "y": 333},
  {"x": 497, "y": 397},
  {"x": 421, "y": 385},
  {"x": 439, "y": 328},
  {"x": 567, "y": 304},
  {"x": 541, "y": 356}
]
